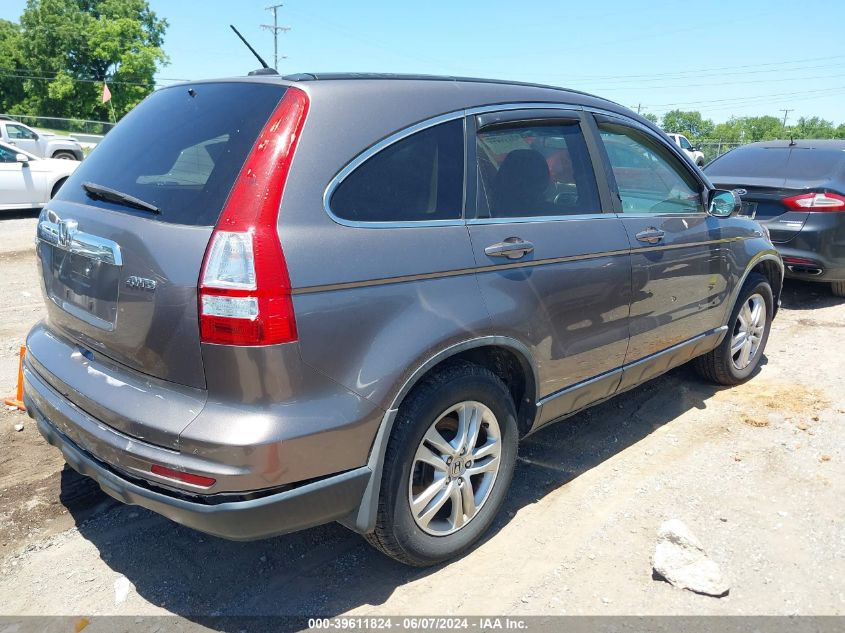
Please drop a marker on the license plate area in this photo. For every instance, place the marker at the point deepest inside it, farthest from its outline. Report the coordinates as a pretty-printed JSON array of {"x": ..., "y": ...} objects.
[
  {"x": 84, "y": 287},
  {"x": 748, "y": 210}
]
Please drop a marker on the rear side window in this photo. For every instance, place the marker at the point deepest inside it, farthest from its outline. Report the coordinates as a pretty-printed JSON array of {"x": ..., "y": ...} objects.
[
  {"x": 418, "y": 178},
  {"x": 179, "y": 150},
  {"x": 535, "y": 169}
]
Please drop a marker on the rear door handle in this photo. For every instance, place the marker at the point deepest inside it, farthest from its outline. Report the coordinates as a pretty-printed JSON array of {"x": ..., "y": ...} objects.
[
  {"x": 512, "y": 248},
  {"x": 651, "y": 235}
]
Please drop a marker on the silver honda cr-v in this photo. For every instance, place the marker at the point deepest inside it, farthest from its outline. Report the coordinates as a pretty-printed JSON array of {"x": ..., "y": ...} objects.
[{"x": 278, "y": 302}]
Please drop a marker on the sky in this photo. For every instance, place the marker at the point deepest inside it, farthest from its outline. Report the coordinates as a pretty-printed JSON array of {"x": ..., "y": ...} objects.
[{"x": 722, "y": 57}]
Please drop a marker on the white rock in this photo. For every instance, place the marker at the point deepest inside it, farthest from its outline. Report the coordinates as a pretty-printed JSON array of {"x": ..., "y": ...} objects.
[
  {"x": 19, "y": 427},
  {"x": 121, "y": 590},
  {"x": 680, "y": 558}
]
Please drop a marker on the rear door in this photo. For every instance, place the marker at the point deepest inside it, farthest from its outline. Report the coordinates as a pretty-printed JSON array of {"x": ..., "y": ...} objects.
[
  {"x": 122, "y": 280},
  {"x": 554, "y": 266},
  {"x": 679, "y": 254}
]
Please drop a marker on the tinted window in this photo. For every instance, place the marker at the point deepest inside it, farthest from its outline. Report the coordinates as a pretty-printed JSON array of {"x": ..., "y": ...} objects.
[
  {"x": 758, "y": 162},
  {"x": 418, "y": 178},
  {"x": 179, "y": 152},
  {"x": 649, "y": 177},
  {"x": 685, "y": 144},
  {"x": 535, "y": 170},
  {"x": 795, "y": 164},
  {"x": 7, "y": 155},
  {"x": 814, "y": 164}
]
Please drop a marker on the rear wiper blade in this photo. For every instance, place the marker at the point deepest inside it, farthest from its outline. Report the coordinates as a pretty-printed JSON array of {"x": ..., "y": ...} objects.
[{"x": 113, "y": 195}]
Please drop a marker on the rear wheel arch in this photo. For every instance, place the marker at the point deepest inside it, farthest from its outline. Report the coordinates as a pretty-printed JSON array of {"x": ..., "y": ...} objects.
[
  {"x": 774, "y": 273},
  {"x": 57, "y": 186},
  {"x": 769, "y": 264},
  {"x": 509, "y": 359}
]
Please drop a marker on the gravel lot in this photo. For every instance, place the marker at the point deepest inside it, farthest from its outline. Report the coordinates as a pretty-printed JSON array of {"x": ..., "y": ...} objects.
[{"x": 757, "y": 472}]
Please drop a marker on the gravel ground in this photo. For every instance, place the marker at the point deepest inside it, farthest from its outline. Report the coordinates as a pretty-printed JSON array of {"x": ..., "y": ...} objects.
[{"x": 757, "y": 472}]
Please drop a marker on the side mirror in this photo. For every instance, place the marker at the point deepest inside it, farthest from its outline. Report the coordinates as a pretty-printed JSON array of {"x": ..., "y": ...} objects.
[
  {"x": 723, "y": 204},
  {"x": 22, "y": 158}
]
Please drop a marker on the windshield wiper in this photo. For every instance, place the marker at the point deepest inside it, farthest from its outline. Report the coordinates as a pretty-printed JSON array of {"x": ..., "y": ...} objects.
[{"x": 113, "y": 195}]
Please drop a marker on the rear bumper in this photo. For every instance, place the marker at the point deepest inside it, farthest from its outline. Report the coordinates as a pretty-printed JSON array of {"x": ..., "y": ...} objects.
[
  {"x": 822, "y": 242},
  {"x": 301, "y": 507}
]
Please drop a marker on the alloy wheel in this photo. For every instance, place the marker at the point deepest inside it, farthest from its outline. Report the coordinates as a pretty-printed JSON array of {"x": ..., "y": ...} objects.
[
  {"x": 454, "y": 468},
  {"x": 748, "y": 332}
]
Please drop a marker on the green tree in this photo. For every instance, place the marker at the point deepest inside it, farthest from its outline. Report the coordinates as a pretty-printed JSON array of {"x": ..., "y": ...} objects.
[
  {"x": 11, "y": 83},
  {"x": 691, "y": 124},
  {"x": 813, "y": 127},
  {"x": 749, "y": 129},
  {"x": 651, "y": 117},
  {"x": 69, "y": 47},
  {"x": 840, "y": 131}
]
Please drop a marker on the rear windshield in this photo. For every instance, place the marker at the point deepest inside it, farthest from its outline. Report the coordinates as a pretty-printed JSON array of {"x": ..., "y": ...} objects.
[
  {"x": 180, "y": 150},
  {"x": 779, "y": 162}
]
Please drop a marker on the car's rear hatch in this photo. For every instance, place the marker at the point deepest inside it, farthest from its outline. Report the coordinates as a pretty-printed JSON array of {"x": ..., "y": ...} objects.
[
  {"x": 763, "y": 199},
  {"x": 121, "y": 280},
  {"x": 771, "y": 175}
]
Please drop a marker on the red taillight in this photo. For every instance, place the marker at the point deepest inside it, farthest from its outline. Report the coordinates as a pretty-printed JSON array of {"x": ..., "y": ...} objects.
[
  {"x": 244, "y": 288},
  {"x": 799, "y": 261},
  {"x": 816, "y": 202},
  {"x": 188, "y": 478}
]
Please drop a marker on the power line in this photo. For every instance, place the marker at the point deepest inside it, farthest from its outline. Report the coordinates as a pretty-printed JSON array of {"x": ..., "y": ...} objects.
[
  {"x": 276, "y": 29},
  {"x": 698, "y": 72},
  {"x": 786, "y": 112}
]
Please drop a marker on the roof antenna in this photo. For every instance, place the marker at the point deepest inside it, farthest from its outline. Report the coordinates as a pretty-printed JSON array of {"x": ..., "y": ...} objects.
[
  {"x": 792, "y": 140},
  {"x": 265, "y": 69}
]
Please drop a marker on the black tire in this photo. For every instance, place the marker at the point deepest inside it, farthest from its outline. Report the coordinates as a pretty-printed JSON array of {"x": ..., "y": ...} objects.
[
  {"x": 838, "y": 288},
  {"x": 717, "y": 366},
  {"x": 56, "y": 187},
  {"x": 397, "y": 533},
  {"x": 64, "y": 155}
]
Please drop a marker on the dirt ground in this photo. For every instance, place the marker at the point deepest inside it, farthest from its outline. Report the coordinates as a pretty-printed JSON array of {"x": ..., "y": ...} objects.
[{"x": 757, "y": 472}]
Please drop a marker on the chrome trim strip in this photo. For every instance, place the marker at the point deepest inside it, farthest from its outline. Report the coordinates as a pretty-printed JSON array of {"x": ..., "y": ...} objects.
[
  {"x": 598, "y": 215},
  {"x": 65, "y": 236},
  {"x": 609, "y": 374},
  {"x": 493, "y": 267},
  {"x": 579, "y": 385},
  {"x": 454, "y": 273},
  {"x": 675, "y": 347},
  {"x": 398, "y": 136}
]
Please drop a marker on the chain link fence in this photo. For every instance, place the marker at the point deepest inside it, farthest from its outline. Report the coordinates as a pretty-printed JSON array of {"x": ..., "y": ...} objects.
[
  {"x": 714, "y": 149},
  {"x": 59, "y": 124}
]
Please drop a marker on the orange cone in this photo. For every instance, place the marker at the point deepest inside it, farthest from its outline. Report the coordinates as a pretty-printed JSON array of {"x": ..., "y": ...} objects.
[{"x": 17, "y": 401}]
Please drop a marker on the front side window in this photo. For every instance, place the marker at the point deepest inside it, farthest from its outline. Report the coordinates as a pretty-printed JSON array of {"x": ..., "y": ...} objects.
[
  {"x": 418, "y": 178},
  {"x": 649, "y": 177},
  {"x": 685, "y": 144},
  {"x": 535, "y": 169},
  {"x": 19, "y": 132}
]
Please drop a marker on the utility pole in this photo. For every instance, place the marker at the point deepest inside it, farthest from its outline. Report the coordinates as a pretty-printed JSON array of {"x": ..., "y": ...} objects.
[
  {"x": 786, "y": 114},
  {"x": 275, "y": 28}
]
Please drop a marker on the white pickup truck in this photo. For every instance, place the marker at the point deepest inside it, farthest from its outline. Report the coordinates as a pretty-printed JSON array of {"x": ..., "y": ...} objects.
[
  {"x": 694, "y": 153},
  {"x": 42, "y": 144}
]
